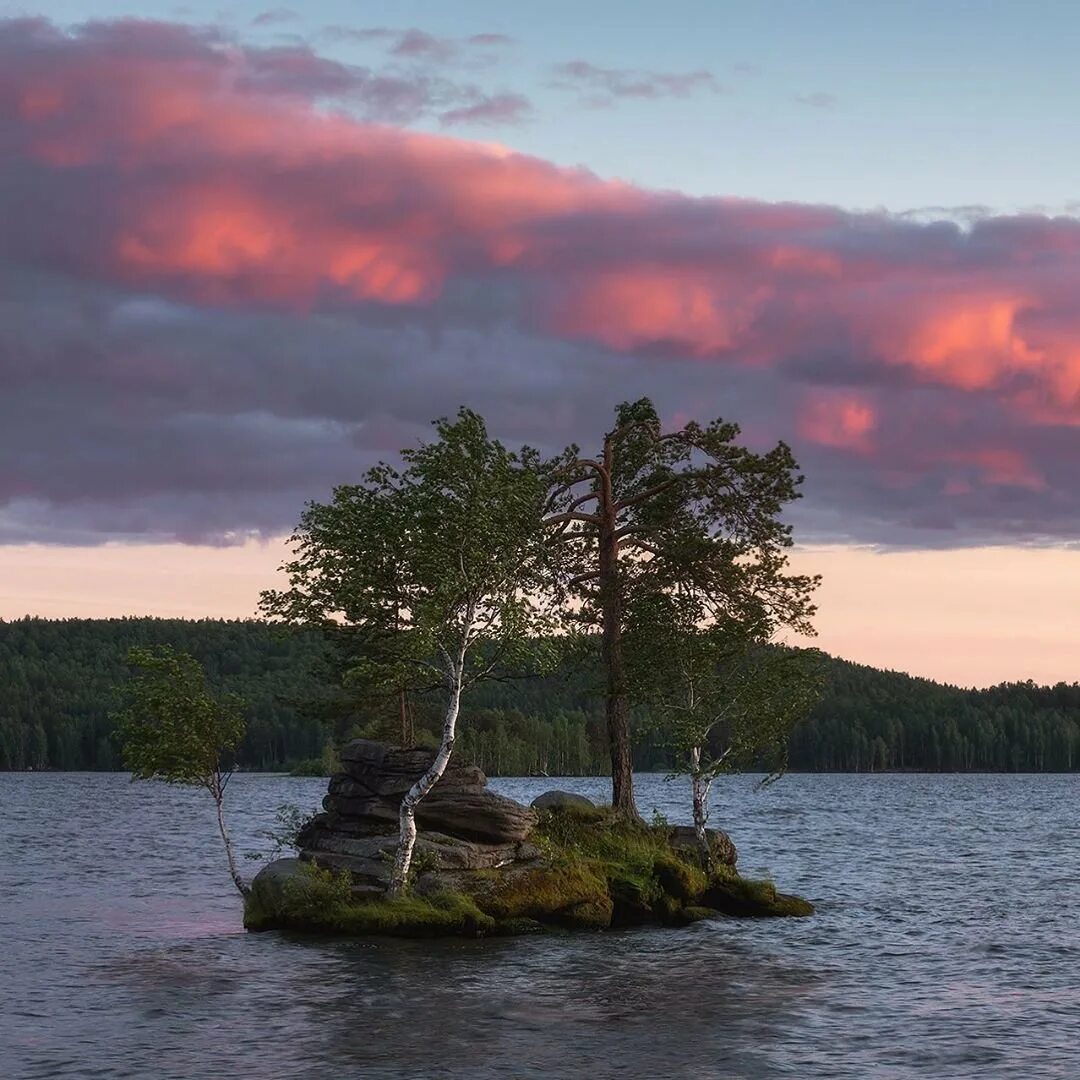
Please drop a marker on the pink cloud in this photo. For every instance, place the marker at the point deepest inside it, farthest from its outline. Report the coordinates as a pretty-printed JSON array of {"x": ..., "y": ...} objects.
[
  {"x": 1000, "y": 466},
  {"x": 841, "y": 420},
  {"x": 230, "y": 184},
  {"x": 175, "y": 163}
]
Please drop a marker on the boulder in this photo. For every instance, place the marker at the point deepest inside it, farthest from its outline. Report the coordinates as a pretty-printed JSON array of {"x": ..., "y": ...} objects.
[
  {"x": 273, "y": 876},
  {"x": 462, "y": 826},
  {"x": 376, "y": 769},
  {"x": 473, "y": 813},
  {"x": 683, "y": 838},
  {"x": 562, "y": 800}
]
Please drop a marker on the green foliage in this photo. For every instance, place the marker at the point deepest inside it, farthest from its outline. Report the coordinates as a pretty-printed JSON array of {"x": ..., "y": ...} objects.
[
  {"x": 695, "y": 513},
  {"x": 326, "y": 764},
  {"x": 57, "y": 679},
  {"x": 289, "y": 820},
  {"x": 436, "y": 571},
  {"x": 311, "y": 766},
  {"x": 722, "y": 700},
  {"x": 171, "y": 726},
  {"x": 315, "y": 894}
]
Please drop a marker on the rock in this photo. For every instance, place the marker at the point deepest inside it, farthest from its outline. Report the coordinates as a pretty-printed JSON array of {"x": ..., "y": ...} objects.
[
  {"x": 462, "y": 826},
  {"x": 683, "y": 838},
  {"x": 632, "y": 902},
  {"x": 587, "y": 871},
  {"x": 562, "y": 800},
  {"x": 375, "y": 769},
  {"x": 273, "y": 876},
  {"x": 746, "y": 898},
  {"x": 468, "y": 812},
  {"x": 433, "y": 850}
]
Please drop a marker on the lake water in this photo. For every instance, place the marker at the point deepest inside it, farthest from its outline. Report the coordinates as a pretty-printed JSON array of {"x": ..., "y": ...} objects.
[{"x": 946, "y": 944}]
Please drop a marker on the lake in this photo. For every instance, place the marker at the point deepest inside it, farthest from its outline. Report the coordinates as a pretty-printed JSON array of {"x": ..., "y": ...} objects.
[{"x": 945, "y": 945}]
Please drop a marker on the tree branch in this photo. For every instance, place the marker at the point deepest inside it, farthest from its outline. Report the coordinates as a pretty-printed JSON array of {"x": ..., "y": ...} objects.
[
  {"x": 648, "y": 493},
  {"x": 583, "y": 499},
  {"x": 588, "y": 519},
  {"x": 579, "y": 578},
  {"x": 633, "y": 541}
]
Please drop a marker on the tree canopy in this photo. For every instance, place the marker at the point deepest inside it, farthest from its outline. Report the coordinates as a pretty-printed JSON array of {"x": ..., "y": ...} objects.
[
  {"x": 172, "y": 727},
  {"x": 440, "y": 569},
  {"x": 690, "y": 511}
]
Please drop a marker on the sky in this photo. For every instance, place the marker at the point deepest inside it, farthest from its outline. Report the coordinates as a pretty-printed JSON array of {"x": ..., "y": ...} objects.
[{"x": 246, "y": 254}]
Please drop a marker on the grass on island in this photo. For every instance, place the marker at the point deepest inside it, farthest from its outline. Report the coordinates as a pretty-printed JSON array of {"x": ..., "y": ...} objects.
[{"x": 596, "y": 872}]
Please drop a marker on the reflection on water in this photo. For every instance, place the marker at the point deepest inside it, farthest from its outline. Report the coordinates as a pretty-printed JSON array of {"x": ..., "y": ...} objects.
[{"x": 944, "y": 946}]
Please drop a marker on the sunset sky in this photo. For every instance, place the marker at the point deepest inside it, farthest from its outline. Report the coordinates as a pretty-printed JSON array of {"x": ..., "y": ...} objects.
[{"x": 242, "y": 257}]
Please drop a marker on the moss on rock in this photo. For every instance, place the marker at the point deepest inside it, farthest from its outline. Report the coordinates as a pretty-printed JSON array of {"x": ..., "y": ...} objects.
[
  {"x": 743, "y": 897},
  {"x": 547, "y": 893},
  {"x": 595, "y": 871},
  {"x": 323, "y": 901}
]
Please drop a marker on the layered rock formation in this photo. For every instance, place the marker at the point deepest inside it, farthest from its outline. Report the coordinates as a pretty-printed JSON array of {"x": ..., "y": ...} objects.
[{"x": 461, "y": 825}]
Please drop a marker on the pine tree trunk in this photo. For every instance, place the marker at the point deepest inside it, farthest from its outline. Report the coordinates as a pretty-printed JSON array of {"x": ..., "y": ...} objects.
[
  {"x": 407, "y": 814},
  {"x": 617, "y": 712}
]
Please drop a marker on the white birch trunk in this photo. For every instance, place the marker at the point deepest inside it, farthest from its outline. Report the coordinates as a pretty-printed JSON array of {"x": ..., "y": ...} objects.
[
  {"x": 407, "y": 815},
  {"x": 238, "y": 881},
  {"x": 700, "y": 785}
]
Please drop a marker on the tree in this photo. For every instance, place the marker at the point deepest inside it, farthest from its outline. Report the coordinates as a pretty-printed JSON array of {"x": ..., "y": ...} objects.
[
  {"x": 722, "y": 697},
  {"x": 440, "y": 572},
  {"x": 172, "y": 728},
  {"x": 688, "y": 508}
]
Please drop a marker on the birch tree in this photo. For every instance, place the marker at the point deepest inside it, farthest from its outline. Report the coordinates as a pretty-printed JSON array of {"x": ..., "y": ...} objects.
[
  {"x": 654, "y": 510},
  {"x": 721, "y": 696},
  {"x": 172, "y": 728},
  {"x": 440, "y": 570}
]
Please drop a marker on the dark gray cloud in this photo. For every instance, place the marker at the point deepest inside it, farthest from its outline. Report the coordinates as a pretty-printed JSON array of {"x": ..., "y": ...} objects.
[{"x": 219, "y": 298}]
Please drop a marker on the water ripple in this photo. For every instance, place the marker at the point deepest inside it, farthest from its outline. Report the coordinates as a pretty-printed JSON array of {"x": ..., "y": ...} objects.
[{"x": 944, "y": 946}]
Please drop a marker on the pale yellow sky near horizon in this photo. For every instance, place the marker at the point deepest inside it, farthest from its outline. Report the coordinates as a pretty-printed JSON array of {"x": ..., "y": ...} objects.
[{"x": 974, "y": 616}]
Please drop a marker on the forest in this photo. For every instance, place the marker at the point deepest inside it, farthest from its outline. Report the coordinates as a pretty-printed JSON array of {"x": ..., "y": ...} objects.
[{"x": 58, "y": 679}]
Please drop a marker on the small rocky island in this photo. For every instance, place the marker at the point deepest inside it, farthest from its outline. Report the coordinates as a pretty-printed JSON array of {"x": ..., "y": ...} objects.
[{"x": 485, "y": 864}]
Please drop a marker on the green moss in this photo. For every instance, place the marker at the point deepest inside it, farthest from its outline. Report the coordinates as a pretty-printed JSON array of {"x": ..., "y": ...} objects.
[
  {"x": 633, "y": 900},
  {"x": 445, "y": 913},
  {"x": 310, "y": 897},
  {"x": 323, "y": 901},
  {"x": 566, "y": 895},
  {"x": 602, "y": 836},
  {"x": 679, "y": 878},
  {"x": 597, "y": 871},
  {"x": 744, "y": 897}
]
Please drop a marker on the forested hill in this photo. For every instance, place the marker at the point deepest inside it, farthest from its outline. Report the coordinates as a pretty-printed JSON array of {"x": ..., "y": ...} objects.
[{"x": 57, "y": 679}]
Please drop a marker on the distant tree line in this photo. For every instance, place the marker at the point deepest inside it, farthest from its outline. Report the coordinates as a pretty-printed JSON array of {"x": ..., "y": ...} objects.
[{"x": 56, "y": 680}]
